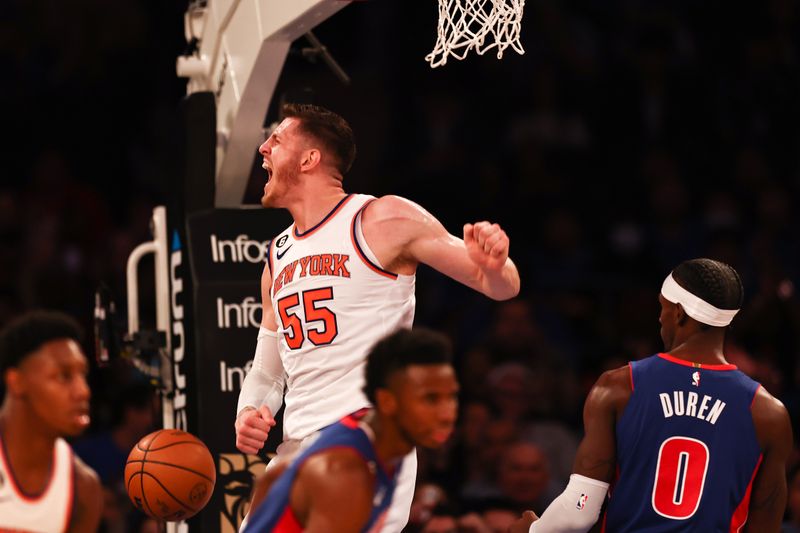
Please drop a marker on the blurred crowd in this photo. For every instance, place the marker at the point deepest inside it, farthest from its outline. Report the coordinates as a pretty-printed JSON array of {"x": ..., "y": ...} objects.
[{"x": 631, "y": 135}]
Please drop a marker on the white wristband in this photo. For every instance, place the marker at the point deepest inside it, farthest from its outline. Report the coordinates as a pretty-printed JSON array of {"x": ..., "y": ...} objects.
[{"x": 576, "y": 509}]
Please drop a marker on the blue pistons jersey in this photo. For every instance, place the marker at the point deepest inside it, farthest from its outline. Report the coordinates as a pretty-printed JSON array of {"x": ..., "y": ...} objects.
[
  {"x": 275, "y": 515},
  {"x": 687, "y": 452}
]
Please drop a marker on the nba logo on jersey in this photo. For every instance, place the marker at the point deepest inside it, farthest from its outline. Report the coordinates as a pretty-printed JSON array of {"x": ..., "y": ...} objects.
[
  {"x": 581, "y": 502},
  {"x": 376, "y": 501},
  {"x": 696, "y": 379}
]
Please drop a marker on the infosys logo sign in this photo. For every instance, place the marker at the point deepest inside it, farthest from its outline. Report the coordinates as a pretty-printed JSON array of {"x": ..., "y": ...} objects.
[
  {"x": 231, "y": 376},
  {"x": 242, "y": 249},
  {"x": 245, "y": 314}
]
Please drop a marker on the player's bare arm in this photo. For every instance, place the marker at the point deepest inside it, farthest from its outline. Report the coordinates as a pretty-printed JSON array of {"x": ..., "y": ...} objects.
[
  {"x": 596, "y": 456},
  {"x": 268, "y": 313},
  {"x": 333, "y": 492},
  {"x": 774, "y": 432},
  {"x": 595, "y": 460},
  {"x": 264, "y": 482},
  {"x": 253, "y": 422},
  {"x": 402, "y": 234},
  {"x": 89, "y": 501}
]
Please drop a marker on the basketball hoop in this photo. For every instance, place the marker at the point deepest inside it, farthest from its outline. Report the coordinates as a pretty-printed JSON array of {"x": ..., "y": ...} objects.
[{"x": 479, "y": 24}]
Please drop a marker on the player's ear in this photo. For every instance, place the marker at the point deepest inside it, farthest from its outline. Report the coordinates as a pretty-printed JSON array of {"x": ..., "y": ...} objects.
[
  {"x": 385, "y": 402},
  {"x": 310, "y": 159},
  {"x": 13, "y": 380},
  {"x": 680, "y": 315}
]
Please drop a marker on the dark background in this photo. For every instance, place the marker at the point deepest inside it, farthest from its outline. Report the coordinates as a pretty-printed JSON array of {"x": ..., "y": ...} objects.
[{"x": 630, "y": 136}]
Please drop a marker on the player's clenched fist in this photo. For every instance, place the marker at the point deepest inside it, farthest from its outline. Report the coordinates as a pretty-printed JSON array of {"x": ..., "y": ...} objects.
[
  {"x": 487, "y": 244},
  {"x": 252, "y": 428}
]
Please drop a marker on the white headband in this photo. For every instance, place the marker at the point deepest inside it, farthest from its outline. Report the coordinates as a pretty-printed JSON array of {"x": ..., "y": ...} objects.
[{"x": 695, "y": 307}]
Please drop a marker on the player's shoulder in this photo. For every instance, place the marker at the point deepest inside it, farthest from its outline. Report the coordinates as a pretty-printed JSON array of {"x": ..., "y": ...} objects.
[
  {"x": 85, "y": 476},
  {"x": 392, "y": 206},
  {"x": 768, "y": 409},
  {"x": 333, "y": 465},
  {"x": 771, "y": 420},
  {"x": 616, "y": 378},
  {"x": 611, "y": 391},
  {"x": 336, "y": 485},
  {"x": 89, "y": 496}
]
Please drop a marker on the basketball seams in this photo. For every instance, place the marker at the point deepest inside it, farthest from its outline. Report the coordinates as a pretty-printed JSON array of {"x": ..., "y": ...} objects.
[
  {"x": 199, "y": 462},
  {"x": 164, "y": 447},
  {"x": 162, "y": 463},
  {"x": 141, "y": 474},
  {"x": 144, "y": 497},
  {"x": 166, "y": 491}
]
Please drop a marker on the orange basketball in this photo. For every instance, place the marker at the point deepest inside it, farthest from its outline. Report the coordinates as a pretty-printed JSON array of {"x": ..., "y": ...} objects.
[{"x": 170, "y": 475}]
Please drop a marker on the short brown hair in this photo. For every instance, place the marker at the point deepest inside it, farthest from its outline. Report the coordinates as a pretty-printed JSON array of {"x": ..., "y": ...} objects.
[{"x": 329, "y": 129}]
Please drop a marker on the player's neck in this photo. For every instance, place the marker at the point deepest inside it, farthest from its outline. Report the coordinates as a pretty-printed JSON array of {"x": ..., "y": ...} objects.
[
  {"x": 27, "y": 445},
  {"x": 702, "y": 347},
  {"x": 390, "y": 445},
  {"x": 317, "y": 199}
]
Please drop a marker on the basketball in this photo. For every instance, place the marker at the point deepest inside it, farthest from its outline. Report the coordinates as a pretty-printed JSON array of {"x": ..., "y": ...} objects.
[{"x": 170, "y": 475}]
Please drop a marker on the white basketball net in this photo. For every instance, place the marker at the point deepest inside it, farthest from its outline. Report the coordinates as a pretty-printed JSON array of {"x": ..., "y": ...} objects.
[{"x": 478, "y": 24}]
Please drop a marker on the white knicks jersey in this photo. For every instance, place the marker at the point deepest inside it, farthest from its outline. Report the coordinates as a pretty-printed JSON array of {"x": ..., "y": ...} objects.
[
  {"x": 332, "y": 302},
  {"x": 48, "y": 512}
]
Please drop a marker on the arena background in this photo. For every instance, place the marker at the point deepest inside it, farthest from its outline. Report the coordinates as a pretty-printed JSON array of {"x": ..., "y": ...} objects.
[{"x": 630, "y": 136}]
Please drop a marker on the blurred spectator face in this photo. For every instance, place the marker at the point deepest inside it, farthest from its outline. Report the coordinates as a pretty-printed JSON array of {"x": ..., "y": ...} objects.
[
  {"x": 499, "y": 520},
  {"x": 497, "y": 436},
  {"x": 514, "y": 327},
  {"x": 524, "y": 474},
  {"x": 473, "y": 371},
  {"x": 510, "y": 388},
  {"x": 473, "y": 421}
]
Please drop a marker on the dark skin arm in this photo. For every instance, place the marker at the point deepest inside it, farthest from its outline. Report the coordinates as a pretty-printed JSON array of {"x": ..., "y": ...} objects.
[
  {"x": 596, "y": 457},
  {"x": 597, "y": 454},
  {"x": 264, "y": 482},
  {"x": 89, "y": 502},
  {"x": 774, "y": 432},
  {"x": 333, "y": 491}
]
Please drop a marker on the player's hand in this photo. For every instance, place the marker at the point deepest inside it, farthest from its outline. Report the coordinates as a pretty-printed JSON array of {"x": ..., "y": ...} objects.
[
  {"x": 487, "y": 245},
  {"x": 252, "y": 428},
  {"x": 523, "y": 525}
]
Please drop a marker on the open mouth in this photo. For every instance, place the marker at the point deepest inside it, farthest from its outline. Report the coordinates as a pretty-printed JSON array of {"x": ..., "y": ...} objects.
[
  {"x": 441, "y": 436},
  {"x": 268, "y": 167},
  {"x": 81, "y": 417}
]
